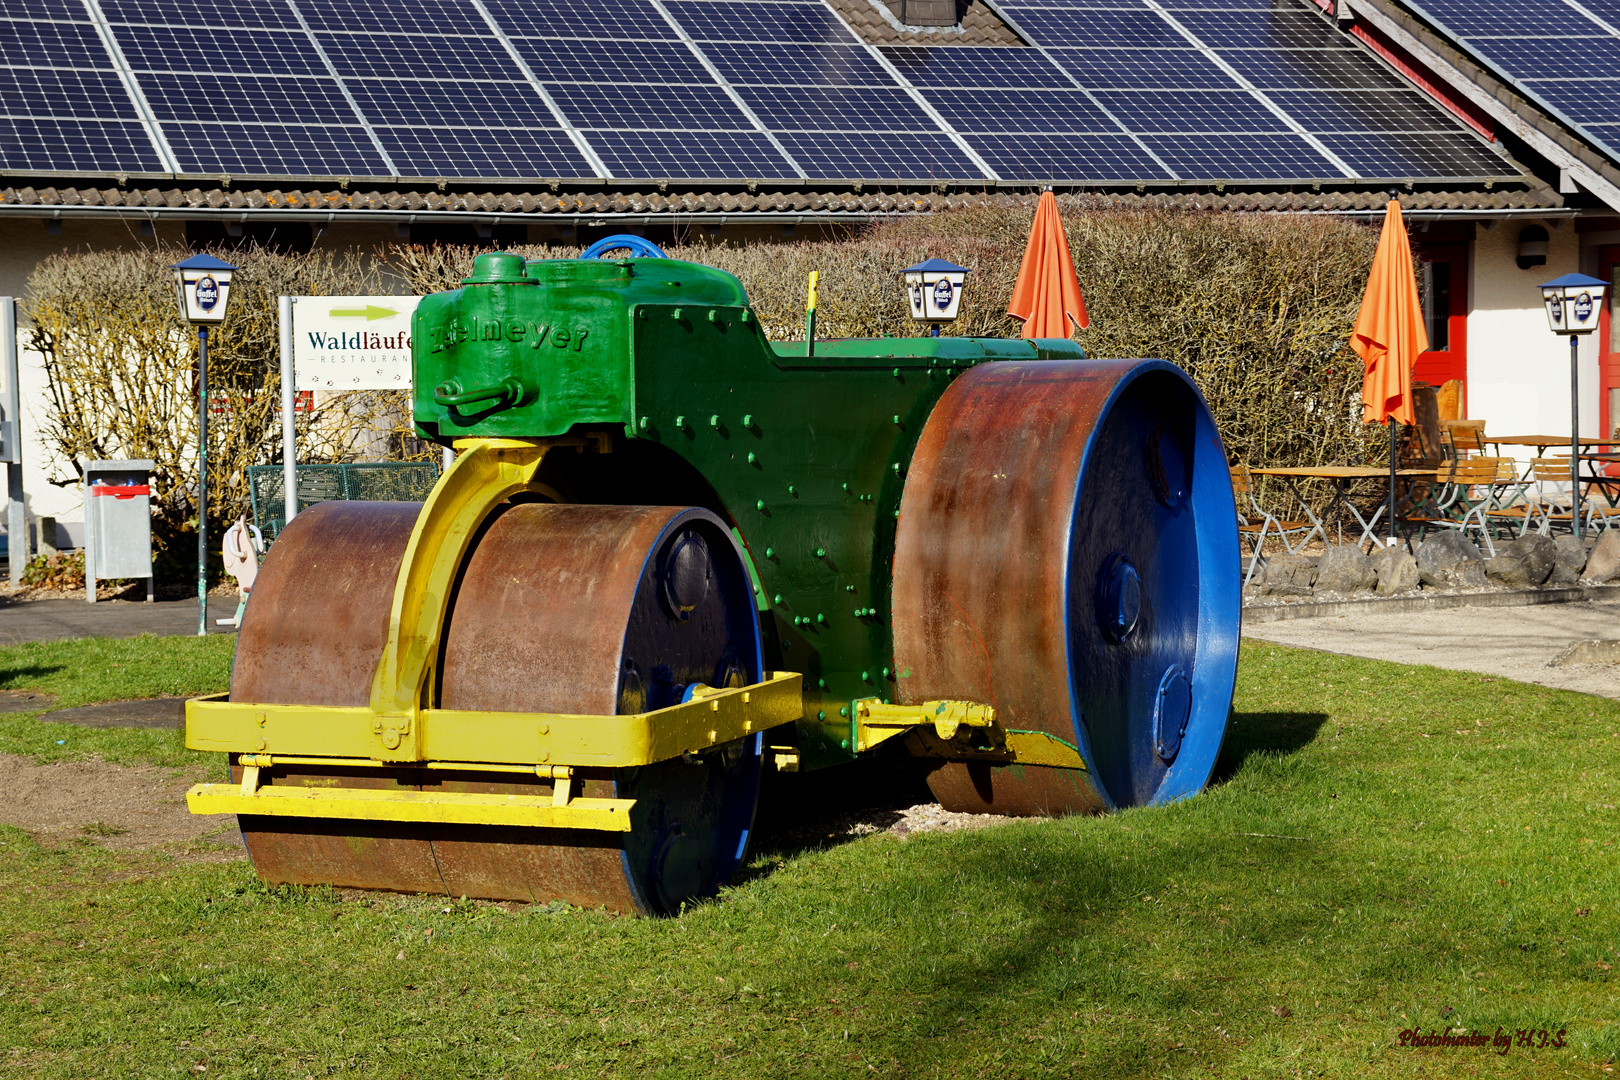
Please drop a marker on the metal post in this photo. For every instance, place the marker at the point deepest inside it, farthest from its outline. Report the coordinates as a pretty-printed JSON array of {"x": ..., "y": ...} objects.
[
  {"x": 1574, "y": 435},
  {"x": 1391, "y": 504},
  {"x": 289, "y": 432},
  {"x": 202, "y": 480},
  {"x": 16, "y": 509}
]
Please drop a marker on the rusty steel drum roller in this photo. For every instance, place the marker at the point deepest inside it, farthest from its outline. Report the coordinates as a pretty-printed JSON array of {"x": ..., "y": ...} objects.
[
  {"x": 558, "y": 609},
  {"x": 1066, "y": 553}
]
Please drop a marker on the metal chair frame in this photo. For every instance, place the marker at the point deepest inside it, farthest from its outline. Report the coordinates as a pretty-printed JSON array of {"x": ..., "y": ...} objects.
[{"x": 1267, "y": 522}]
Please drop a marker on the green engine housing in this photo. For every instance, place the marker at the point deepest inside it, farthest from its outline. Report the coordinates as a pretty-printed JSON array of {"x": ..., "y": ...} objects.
[{"x": 805, "y": 455}]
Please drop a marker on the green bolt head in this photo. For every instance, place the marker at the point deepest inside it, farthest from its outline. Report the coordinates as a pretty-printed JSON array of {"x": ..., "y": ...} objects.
[
  {"x": 821, "y": 553},
  {"x": 751, "y": 460},
  {"x": 896, "y": 418},
  {"x": 680, "y": 422},
  {"x": 793, "y": 491},
  {"x": 748, "y": 420},
  {"x": 885, "y": 673},
  {"x": 843, "y": 710},
  {"x": 821, "y": 684},
  {"x": 820, "y": 619},
  {"x": 849, "y": 588},
  {"x": 777, "y": 599},
  {"x": 821, "y": 715},
  {"x": 644, "y": 422},
  {"x": 866, "y": 676},
  {"x": 759, "y": 504},
  {"x": 714, "y": 420},
  {"x": 770, "y": 553}
]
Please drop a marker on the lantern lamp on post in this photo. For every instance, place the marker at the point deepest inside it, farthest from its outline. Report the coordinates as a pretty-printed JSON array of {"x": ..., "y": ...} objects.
[
  {"x": 934, "y": 290},
  {"x": 1574, "y": 303},
  {"x": 204, "y": 285}
]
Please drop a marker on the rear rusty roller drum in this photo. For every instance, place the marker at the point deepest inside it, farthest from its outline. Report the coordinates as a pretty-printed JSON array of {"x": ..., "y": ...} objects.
[
  {"x": 1067, "y": 552},
  {"x": 559, "y": 608}
]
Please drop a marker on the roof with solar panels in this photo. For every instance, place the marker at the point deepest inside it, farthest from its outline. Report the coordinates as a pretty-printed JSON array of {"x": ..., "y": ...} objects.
[{"x": 833, "y": 107}]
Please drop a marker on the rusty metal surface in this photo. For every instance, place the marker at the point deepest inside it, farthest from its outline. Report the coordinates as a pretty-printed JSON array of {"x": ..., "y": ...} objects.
[
  {"x": 315, "y": 625},
  {"x": 538, "y": 625},
  {"x": 544, "y": 611},
  {"x": 980, "y": 553},
  {"x": 1012, "y": 790}
]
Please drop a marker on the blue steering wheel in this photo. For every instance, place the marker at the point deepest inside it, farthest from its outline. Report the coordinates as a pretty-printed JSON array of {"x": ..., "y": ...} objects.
[{"x": 639, "y": 247}]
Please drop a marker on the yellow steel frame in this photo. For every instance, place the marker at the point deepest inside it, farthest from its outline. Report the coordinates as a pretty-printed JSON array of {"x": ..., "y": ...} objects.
[
  {"x": 945, "y": 729},
  {"x": 455, "y": 738}
]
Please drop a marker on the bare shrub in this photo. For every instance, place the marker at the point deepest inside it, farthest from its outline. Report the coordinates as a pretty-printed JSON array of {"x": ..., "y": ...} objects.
[{"x": 121, "y": 369}]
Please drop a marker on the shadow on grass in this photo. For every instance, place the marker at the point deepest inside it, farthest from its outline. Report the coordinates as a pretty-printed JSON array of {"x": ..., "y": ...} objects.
[
  {"x": 813, "y": 810},
  {"x": 22, "y": 675},
  {"x": 1250, "y": 733}
]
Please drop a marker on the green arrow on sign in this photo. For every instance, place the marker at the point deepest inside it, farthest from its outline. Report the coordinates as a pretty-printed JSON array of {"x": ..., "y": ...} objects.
[{"x": 370, "y": 313}]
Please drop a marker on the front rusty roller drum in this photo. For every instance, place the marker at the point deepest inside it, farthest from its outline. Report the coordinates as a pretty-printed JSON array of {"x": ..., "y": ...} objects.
[
  {"x": 558, "y": 608},
  {"x": 1067, "y": 552}
]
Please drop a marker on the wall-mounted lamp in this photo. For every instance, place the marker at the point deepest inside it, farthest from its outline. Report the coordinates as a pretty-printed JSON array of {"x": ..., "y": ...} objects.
[{"x": 1532, "y": 247}]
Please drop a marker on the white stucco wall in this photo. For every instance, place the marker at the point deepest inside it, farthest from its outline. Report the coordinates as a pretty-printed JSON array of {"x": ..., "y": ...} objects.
[{"x": 1518, "y": 370}]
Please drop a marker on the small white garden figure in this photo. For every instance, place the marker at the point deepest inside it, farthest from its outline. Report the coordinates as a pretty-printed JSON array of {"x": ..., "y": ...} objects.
[{"x": 243, "y": 544}]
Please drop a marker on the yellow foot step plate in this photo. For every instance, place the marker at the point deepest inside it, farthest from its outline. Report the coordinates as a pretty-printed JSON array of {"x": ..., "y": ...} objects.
[{"x": 450, "y": 807}]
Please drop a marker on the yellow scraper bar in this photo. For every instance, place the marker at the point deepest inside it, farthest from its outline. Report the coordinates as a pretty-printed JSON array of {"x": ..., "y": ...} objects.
[
  {"x": 449, "y": 807},
  {"x": 712, "y": 718}
]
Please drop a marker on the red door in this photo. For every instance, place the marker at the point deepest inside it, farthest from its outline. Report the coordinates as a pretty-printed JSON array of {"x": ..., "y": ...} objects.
[
  {"x": 1609, "y": 348},
  {"x": 1443, "y": 290}
]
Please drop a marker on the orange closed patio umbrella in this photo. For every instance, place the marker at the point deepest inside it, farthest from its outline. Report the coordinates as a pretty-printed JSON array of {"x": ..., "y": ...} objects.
[
  {"x": 1388, "y": 337},
  {"x": 1047, "y": 295}
]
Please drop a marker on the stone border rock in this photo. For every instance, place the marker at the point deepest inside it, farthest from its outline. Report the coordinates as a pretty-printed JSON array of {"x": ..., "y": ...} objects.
[{"x": 1396, "y": 605}]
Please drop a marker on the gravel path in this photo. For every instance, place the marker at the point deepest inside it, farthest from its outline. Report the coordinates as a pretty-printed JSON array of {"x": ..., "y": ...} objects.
[{"x": 1513, "y": 643}]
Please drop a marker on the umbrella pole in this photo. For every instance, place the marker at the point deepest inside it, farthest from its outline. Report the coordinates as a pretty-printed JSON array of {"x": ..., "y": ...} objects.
[{"x": 1391, "y": 503}]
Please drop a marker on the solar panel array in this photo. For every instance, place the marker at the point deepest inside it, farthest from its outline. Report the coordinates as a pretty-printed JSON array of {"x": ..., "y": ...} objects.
[
  {"x": 1149, "y": 90},
  {"x": 1563, "y": 53}
]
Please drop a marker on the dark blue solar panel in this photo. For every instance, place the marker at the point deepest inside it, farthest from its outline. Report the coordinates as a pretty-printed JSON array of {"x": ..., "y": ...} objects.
[
  {"x": 1178, "y": 6},
  {"x": 1033, "y": 111},
  {"x": 1116, "y": 29},
  {"x": 1547, "y": 58},
  {"x": 827, "y": 65},
  {"x": 1235, "y": 157},
  {"x": 77, "y": 146},
  {"x": 49, "y": 9},
  {"x": 768, "y": 20},
  {"x": 1521, "y": 18},
  {"x": 976, "y": 66},
  {"x": 1173, "y": 111},
  {"x": 690, "y": 155},
  {"x": 40, "y": 92},
  {"x": 205, "y": 49},
  {"x": 276, "y": 150},
  {"x": 843, "y": 155},
  {"x": 439, "y": 104},
  {"x": 480, "y": 152},
  {"x": 1607, "y": 10},
  {"x": 611, "y": 61},
  {"x": 1142, "y": 69},
  {"x": 1310, "y": 69},
  {"x": 580, "y": 19},
  {"x": 1418, "y": 155},
  {"x": 1263, "y": 30},
  {"x": 702, "y": 108},
  {"x": 409, "y": 56},
  {"x": 1590, "y": 102},
  {"x": 394, "y": 16},
  {"x": 196, "y": 13},
  {"x": 1067, "y": 157},
  {"x": 824, "y": 108},
  {"x": 1364, "y": 110},
  {"x": 226, "y": 98},
  {"x": 52, "y": 44}
]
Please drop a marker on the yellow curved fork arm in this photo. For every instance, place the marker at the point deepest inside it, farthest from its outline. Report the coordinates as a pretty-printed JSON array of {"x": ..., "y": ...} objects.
[{"x": 486, "y": 472}]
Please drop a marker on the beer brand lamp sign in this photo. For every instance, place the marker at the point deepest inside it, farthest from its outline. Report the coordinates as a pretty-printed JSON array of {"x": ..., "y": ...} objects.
[
  {"x": 1574, "y": 304},
  {"x": 934, "y": 290},
  {"x": 204, "y": 284}
]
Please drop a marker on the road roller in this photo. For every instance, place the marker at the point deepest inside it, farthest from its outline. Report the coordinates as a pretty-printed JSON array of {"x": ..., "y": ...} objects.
[{"x": 673, "y": 558}]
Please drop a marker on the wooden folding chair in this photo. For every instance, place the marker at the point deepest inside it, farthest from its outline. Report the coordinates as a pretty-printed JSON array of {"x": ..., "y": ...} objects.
[
  {"x": 1464, "y": 436},
  {"x": 1256, "y": 522},
  {"x": 1466, "y": 493}
]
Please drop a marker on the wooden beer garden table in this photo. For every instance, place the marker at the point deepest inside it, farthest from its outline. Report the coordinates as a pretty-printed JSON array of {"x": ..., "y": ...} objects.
[{"x": 1341, "y": 475}]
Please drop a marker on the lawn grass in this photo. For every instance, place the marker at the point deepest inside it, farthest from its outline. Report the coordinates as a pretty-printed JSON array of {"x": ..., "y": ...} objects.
[
  {"x": 1387, "y": 848},
  {"x": 83, "y": 671}
]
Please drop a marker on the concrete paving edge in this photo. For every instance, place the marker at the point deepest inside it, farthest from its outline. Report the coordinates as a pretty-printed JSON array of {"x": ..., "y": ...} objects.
[{"x": 1399, "y": 605}]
